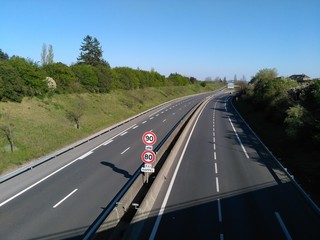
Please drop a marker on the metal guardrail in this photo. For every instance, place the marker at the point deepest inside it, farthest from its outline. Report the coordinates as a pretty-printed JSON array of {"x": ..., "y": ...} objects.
[
  {"x": 41, "y": 160},
  {"x": 135, "y": 180}
]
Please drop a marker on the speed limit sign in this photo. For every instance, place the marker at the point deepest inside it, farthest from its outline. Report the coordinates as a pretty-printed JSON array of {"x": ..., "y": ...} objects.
[
  {"x": 149, "y": 138},
  {"x": 148, "y": 157}
]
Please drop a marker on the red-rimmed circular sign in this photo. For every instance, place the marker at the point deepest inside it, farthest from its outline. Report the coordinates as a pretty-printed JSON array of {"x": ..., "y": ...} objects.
[
  {"x": 148, "y": 156},
  {"x": 149, "y": 138}
]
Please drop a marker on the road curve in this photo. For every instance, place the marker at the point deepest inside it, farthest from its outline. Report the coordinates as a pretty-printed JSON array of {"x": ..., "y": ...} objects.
[
  {"x": 228, "y": 186},
  {"x": 62, "y": 197}
]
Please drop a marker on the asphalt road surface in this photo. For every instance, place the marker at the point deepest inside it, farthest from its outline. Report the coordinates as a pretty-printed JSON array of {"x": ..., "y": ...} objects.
[
  {"x": 61, "y": 198},
  {"x": 227, "y": 186}
]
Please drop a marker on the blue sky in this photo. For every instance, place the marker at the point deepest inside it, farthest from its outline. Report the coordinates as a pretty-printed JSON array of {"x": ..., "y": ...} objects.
[{"x": 200, "y": 38}]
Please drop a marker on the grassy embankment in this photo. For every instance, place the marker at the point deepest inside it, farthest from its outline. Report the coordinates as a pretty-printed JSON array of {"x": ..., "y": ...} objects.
[
  {"x": 302, "y": 160},
  {"x": 41, "y": 125}
]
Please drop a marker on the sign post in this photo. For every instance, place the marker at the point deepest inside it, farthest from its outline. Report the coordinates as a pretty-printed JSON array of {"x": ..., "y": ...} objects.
[{"x": 148, "y": 156}]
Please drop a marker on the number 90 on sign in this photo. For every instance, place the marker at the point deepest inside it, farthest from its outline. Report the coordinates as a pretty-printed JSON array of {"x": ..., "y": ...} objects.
[
  {"x": 148, "y": 156},
  {"x": 149, "y": 138}
]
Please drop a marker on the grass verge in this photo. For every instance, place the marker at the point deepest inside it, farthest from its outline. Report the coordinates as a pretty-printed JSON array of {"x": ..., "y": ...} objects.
[{"x": 41, "y": 126}]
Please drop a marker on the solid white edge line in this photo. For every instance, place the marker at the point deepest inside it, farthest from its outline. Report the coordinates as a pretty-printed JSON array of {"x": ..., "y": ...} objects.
[
  {"x": 283, "y": 226},
  {"x": 165, "y": 200},
  {"x": 85, "y": 155},
  {"x": 51, "y": 174},
  {"x": 107, "y": 142},
  {"x": 65, "y": 198},
  {"x": 244, "y": 150}
]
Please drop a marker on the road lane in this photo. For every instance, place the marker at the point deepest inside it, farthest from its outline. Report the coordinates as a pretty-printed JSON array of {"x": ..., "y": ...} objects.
[
  {"x": 97, "y": 171},
  {"x": 229, "y": 187}
]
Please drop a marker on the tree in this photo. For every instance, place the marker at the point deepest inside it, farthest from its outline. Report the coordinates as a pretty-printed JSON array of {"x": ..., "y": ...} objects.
[
  {"x": 31, "y": 74},
  {"x": 47, "y": 58},
  {"x": 50, "y": 55},
  {"x": 12, "y": 87},
  {"x": 75, "y": 113},
  {"x": 265, "y": 74},
  {"x": 105, "y": 81},
  {"x": 44, "y": 54},
  {"x": 91, "y": 52},
  {"x": 3, "y": 56},
  {"x": 294, "y": 120},
  {"x": 6, "y": 127},
  {"x": 86, "y": 75},
  {"x": 178, "y": 80},
  {"x": 63, "y": 76}
]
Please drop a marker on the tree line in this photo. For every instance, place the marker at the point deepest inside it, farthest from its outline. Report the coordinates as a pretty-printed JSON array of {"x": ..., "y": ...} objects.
[
  {"x": 295, "y": 106},
  {"x": 21, "y": 77}
]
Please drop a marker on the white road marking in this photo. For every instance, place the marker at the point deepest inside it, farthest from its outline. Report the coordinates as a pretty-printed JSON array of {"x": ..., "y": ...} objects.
[
  {"x": 283, "y": 226},
  {"x": 144, "y": 122},
  {"x": 215, "y": 168},
  {"x": 53, "y": 173},
  {"x": 214, "y": 139},
  {"x": 214, "y": 146},
  {"x": 135, "y": 127},
  {"x": 157, "y": 115},
  {"x": 217, "y": 184},
  {"x": 125, "y": 150},
  {"x": 85, "y": 155},
  {"x": 107, "y": 142},
  {"x": 165, "y": 200},
  {"x": 65, "y": 198},
  {"x": 151, "y": 118},
  {"x": 244, "y": 150},
  {"x": 35, "y": 184},
  {"x": 164, "y": 120},
  {"x": 123, "y": 133},
  {"x": 215, "y": 155}
]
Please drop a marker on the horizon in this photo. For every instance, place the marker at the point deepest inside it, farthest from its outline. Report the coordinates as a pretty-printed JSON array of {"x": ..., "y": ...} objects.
[{"x": 203, "y": 39}]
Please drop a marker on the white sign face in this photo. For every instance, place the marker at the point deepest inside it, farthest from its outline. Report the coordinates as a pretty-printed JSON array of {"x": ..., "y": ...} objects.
[
  {"x": 149, "y": 147},
  {"x": 149, "y": 138},
  {"x": 146, "y": 165},
  {"x": 148, "y": 156},
  {"x": 147, "y": 170}
]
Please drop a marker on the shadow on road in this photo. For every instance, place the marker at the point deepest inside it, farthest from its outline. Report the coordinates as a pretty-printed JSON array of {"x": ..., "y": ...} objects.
[{"x": 117, "y": 170}]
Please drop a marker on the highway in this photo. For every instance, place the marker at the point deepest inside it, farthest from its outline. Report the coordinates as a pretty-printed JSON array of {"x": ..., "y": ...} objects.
[
  {"x": 61, "y": 198},
  {"x": 227, "y": 186}
]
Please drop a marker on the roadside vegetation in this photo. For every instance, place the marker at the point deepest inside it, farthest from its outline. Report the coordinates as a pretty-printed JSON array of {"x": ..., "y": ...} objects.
[
  {"x": 286, "y": 115},
  {"x": 46, "y": 106}
]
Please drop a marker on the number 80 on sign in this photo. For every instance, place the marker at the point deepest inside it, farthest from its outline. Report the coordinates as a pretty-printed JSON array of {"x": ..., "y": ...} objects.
[{"x": 148, "y": 156}]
